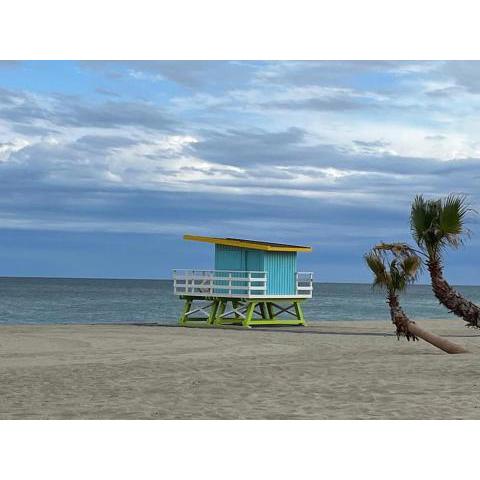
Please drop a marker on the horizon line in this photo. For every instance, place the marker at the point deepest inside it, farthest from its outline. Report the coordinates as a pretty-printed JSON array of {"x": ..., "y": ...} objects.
[{"x": 169, "y": 279}]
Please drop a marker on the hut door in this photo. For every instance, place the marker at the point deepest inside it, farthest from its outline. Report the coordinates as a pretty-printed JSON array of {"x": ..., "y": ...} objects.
[{"x": 253, "y": 260}]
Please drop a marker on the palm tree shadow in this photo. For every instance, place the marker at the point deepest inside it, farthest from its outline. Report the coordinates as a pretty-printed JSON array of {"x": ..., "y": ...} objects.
[
  {"x": 298, "y": 330},
  {"x": 355, "y": 334}
]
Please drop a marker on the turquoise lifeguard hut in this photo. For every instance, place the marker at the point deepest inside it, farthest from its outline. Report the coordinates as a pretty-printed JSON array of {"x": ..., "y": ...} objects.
[{"x": 253, "y": 283}]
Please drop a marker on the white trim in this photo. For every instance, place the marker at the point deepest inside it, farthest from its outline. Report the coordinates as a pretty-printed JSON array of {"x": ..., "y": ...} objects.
[
  {"x": 214, "y": 271},
  {"x": 223, "y": 283},
  {"x": 219, "y": 282}
]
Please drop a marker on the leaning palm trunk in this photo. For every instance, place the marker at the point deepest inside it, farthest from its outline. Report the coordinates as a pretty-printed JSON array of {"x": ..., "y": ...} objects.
[
  {"x": 394, "y": 266},
  {"x": 450, "y": 298},
  {"x": 409, "y": 329},
  {"x": 439, "y": 342},
  {"x": 399, "y": 318}
]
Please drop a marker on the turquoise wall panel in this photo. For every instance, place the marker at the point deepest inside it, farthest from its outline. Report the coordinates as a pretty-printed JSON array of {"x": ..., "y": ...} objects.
[
  {"x": 235, "y": 258},
  {"x": 282, "y": 269},
  {"x": 254, "y": 260},
  {"x": 229, "y": 258}
]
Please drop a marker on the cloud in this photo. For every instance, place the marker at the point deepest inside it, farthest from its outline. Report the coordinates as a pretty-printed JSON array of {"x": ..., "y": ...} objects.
[
  {"x": 373, "y": 144},
  {"x": 99, "y": 143},
  {"x": 33, "y": 130},
  {"x": 20, "y": 107},
  {"x": 326, "y": 153},
  {"x": 320, "y": 104},
  {"x": 363, "y": 75},
  {"x": 61, "y": 110},
  {"x": 263, "y": 164},
  {"x": 435, "y": 137},
  {"x": 466, "y": 74},
  {"x": 193, "y": 74},
  {"x": 445, "y": 92},
  {"x": 107, "y": 92},
  {"x": 114, "y": 114}
]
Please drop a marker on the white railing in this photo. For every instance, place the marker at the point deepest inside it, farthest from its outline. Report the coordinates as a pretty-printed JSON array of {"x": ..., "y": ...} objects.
[
  {"x": 304, "y": 283},
  {"x": 214, "y": 282},
  {"x": 233, "y": 283}
]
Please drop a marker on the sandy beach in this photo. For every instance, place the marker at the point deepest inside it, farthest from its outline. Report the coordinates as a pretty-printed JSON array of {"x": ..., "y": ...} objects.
[{"x": 333, "y": 370}]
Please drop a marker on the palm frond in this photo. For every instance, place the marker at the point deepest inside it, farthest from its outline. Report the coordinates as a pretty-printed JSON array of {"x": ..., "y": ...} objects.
[
  {"x": 452, "y": 219},
  {"x": 411, "y": 265},
  {"x": 436, "y": 224},
  {"x": 397, "y": 248},
  {"x": 375, "y": 262},
  {"x": 420, "y": 220},
  {"x": 394, "y": 265}
]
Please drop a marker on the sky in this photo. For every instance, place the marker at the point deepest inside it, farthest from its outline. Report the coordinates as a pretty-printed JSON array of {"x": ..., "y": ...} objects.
[{"x": 105, "y": 165}]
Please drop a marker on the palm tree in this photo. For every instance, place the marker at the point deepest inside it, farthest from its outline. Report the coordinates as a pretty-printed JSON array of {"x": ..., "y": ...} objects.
[
  {"x": 435, "y": 225},
  {"x": 394, "y": 266}
]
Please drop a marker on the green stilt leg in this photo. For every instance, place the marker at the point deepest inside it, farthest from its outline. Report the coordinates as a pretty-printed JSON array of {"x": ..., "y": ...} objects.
[
  {"x": 249, "y": 314},
  {"x": 299, "y": 312},
  {"x": 238, "y": 317},
  {"x": 219, "y": 312},
  {"x": 186, "y": 308},
  {"x": 271, "y": 314},
  {"x": 213, "y": 312},
  {"x": 265, "y": 312}
]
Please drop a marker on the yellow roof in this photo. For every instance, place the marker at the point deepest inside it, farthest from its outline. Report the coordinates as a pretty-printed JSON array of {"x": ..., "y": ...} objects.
[{"x": 254, "y": 244}]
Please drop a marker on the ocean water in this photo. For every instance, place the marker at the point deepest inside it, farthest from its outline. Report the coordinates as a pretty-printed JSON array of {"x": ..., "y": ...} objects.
[{"x": 65, "y": 300}]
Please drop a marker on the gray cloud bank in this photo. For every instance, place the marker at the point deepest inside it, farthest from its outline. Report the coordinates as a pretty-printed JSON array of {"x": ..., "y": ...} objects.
[{"x": 119, "y": 164}]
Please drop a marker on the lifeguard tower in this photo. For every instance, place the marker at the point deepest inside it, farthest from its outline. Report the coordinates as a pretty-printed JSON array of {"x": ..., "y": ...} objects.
[{"x": 254, "y": 283}]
